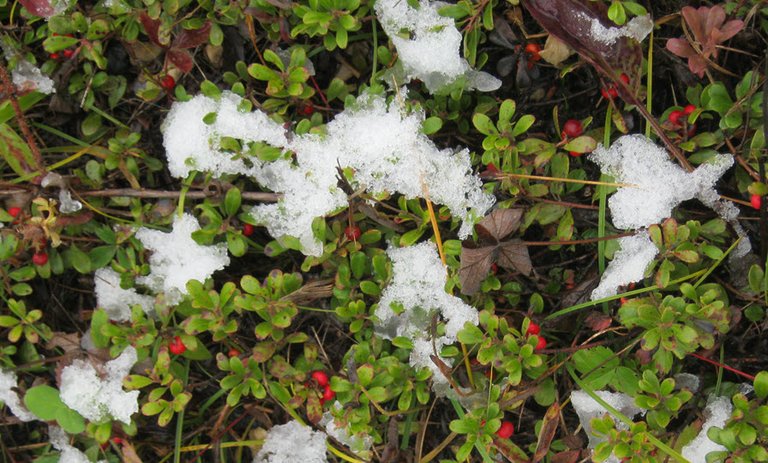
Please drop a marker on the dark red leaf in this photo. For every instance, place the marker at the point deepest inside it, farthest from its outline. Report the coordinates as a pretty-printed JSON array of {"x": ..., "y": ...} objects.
[
  {"x": 151, "y": 27},
  {"x": 513, "y": 255},
  {"x": 566, "y": 456},
  {"x": 475, "y": 264},
  {"x": 40, "y": 8},
  {"x": 181, "y": 58},
  {"x": 598, "y": 321},
  {"x": 190, "y": 38}
]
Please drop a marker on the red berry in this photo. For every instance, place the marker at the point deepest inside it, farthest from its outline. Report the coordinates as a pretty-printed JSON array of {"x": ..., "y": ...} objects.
[
  {"x": 494, "y": 268},
  {"x": 233, "y": 352},
  {"x": 756, "y": 201},
  {"x": 352, "y": 233},
  {"x": 320, "y": 377},
  {"x": 624, "y": 78},
  {"x": 177, "y": 346},
  {"x": 307, "y": 109},
  {"x": 68, "y": 53},
  {"x": 14, "y": 211},
  {"x": 542, "y": 343},
  {"x": 573, "y": 128},
  {"x": 533, "y": 328},
  {"x": 248, "y": 229},
  {"x": 54, "y": 56},
  {"x": 689, "y": 109},
  {"x": 328, "y": 394},
  {"x": 676, "y": 116},
  {"x": 117, "y": 440},
  {"x": 609, "y": 92},
  {"x": 623, "y": 300},
  {"x": 533, "y": 48},
  {"x": 168, "y": 82},
  {"x": 575, "y": 154},
  {"x": 40, "y": 258},
  {"x": 506, "y": 430}
]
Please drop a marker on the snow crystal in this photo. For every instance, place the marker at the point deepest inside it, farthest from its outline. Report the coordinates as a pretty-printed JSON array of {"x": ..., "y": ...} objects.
[
  {"x": 687, "y": 381},
  {"x": 8, "y": 381},
  {"x": 358, "y": 444},
  {"x": 27, "y": 77},
  {"x": 628, "y": 265},
  {"x": 97, "y": 399},
  {"x": 418, "y": 285},
  {"x": 719, "y": 411},
  {"x": 587, "y": 409},
  {"x": 115, "y": 300},
  {"x": 176, "y": 258},
  {"x": 383, "y": 147},
  {"x": 292, "y": 442},
  {"x": 69, "y": 454},
  {"x": 428, "y": 45},
  {"x": 637, "y": 28}
]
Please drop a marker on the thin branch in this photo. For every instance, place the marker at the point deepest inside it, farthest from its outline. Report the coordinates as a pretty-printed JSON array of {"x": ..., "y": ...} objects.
[{"x": 163, "y": 194}]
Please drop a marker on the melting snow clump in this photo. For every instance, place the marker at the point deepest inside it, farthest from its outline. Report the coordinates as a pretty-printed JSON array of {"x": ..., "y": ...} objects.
[
  {"x": 176, "y": 258},
  {"x": 115, "y": 300},
  {"x": 628, "y": 265},
  {"x": 587, "y": 409},
  {"x": 718, "y": 411},
  {"x": 428, "y": 45},
  {"x": 381, "y": 145},
  {"x": 26, "y": 77},
  {"x": 8, "y": 381},
  {"x": 96, "y": 398},
  {"x": 292, "y": 442},
  {"x": 418, "y": 286},
  {"x": 69, "y": 454},
  {"x": 637, "y": 28}
]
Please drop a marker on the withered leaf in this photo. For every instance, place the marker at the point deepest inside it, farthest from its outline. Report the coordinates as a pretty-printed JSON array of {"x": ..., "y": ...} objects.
[
  {"x": 547, "y": 433},
  {"x": 598, "y": 321},
  {"x": 567, "y": 456},
  {"x": 498, "y": 224},
  {"x": 514, "y": 255},
  {"x": 151, "y": 27},
  {"x": 68, "y": 342},
  {"x": 475, "y": 264},
  {"x": 190, "y": 38},
  {"x": 181, "y": 58}
]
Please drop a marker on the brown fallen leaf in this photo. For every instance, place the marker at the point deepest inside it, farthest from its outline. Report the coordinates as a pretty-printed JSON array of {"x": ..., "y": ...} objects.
[{"x": 68, "y": 342}]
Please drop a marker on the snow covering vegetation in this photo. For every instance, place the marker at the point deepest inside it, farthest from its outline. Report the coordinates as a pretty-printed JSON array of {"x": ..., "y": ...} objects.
[
  {"x": 718, "y": 411},
  {"x": 292, "y": 442},
  {"x": 637, "y": 28},
  {"x": 381, "y": 143},
  {"x": 415, "y": 294},
  {"x": 69, "y": 454},
  {"x": 27, "y": 77},
  {"x": 98, "y": 398},
  {"x": 429, "y": 45},
  {"x": 588, "y": 408},
  {"x": 628, "y": 264},
  {"x": 359, "y": 444},
  {"x": 176, "y": 258},
  {"x": 116, "y": 301},
  {"x": 8, "y": 382}
]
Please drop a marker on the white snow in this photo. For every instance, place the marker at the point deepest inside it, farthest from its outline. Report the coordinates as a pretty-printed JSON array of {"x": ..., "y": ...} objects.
[
  {"x": 292, "y": 442},
  {"x": 418, "y": 284},
  {"x": 116, "y": 301},
  {"x": 27, "y": 77},
  {"x": 587, "y": 409},
  {"x": 628, "y": 265},
  {"x": 358, "y": 444},
  {"x": 69, "y": 454},
  {"x": 96, "y": 398},
  {"x": 637, "y": 28},
  {"x": 8, "y": 381},
  {"x": 176, "y": 258},
  {"x": 429, "y": 45},
  {"x": 718, "y": 411},
  {"x": 382, "y": 145}
]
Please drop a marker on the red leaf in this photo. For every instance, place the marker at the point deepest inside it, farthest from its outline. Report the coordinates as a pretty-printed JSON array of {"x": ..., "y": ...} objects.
[
  {"x": 190, "y": 38},
  {"x": 151, "y": 26},
  {"x": 40, "y": 8},
  {"x": 181, "y": 58}
]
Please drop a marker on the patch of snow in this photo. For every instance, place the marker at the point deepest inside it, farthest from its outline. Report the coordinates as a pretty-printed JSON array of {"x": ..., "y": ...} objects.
[
  {"x": 628, "y": 265},
  {"x": 429, "y": 45},
  {"x": 637, "y": 28},
  {"x": 588, "y": 409},
  {"x": 358, "y": 444},
  {"x": 292, "y": 442},
  {"x": 8, "y": 381},
  {"x": 84, "y": 390},
  {"x": 176, "y": 258},
  {"x": 115, "y": 300},
  {"x": 27, "y": 77},
  {"x": 418, "y": 285},
  {"x": 69, "y": 454},
  {"x": 687, "y": 381},
  {"x": 718, "y": 411}
]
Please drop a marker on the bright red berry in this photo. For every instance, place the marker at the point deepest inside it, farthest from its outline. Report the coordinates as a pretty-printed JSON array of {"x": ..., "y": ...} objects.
[
  {"x": 40, "y": 258},
  {"x": 117, "y": 440},
  {"x": 756, "y": 201},
  {"x": 233, "y": 352},
  {"x": 572, "y": 128},
  {"x": 320, "y": 377},
  {"x": 506, "y": 430},
  {"x": 54, "y": 56},
  {"x": 575, "y": 154},
  {"x": 328, "y": 394},
  {"x": 541, "y": 344},
  {"x": 533, "y": 49},
  {"x": 352, "y": 232},
  {"x": 676, "y": 117},
  {"x": 68, "y": 53},
  {"x": 534, "y": 328},
  {"x": 624, "y": 78},
  {"x": 609, "y": 92},
  {"x": 168, "y": 82},
  {"x": 689, "y": 109},
  {"x": 14, "y": 211},
  {"x": 177, "y": 346},
  {"x": 248, "y": 229}
]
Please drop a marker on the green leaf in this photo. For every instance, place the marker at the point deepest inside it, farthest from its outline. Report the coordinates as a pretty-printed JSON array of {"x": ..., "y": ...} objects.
[
  {"x": 761, "y": 384},
  {"x": 365, "y": 374},
  {"x": 483, "y": 124},
  {"x": 79, "y": 260},
  {"x": 431, "y": 125},
  {"x": 44, "y": 402},
  {"x": 69, "y": 420},
  {"x": 523, "y": 124},
  {"x": 471, "y": 334}
]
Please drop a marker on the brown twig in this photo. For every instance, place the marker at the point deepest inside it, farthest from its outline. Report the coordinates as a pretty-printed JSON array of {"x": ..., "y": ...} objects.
[{"x": 163, "y": 194}]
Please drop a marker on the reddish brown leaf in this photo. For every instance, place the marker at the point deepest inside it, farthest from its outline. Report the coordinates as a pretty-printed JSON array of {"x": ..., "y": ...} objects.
[
  {"x": 513, "y": 255},
  {"x": 475, "y": 264},
  {"x": 598, "y": 321},
  {"x": 499, "y": 223},
  {"x": 510, "y": 451},
  {"x": 151, "y": 27},
  {"x": 314, "y": 409},
  {"x": 567, "y": 456},
  {"x": 190, "y": 38},
  {"x": 40, "y": 8},
  {"x": 547, "y": 433},
  {"x": 180, "y": 58},
  {"x": 68, "y": 342}
]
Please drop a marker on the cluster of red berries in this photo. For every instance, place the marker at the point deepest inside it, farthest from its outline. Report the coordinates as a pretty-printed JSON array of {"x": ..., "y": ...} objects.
[
  {"x": 352, "y": 233},
  {"x": 610, "y": 91},
  {"x": 65, "y": 54},
  {"x": 321, "y": 379},
  {"x": 677, "y": 117},
  {"x": 535, "y": 329},
  {"x": 176, "y": 346}
]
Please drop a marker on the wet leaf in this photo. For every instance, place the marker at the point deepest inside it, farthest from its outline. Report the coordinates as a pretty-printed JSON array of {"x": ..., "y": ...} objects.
[{"x": 190, "y": 38}]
